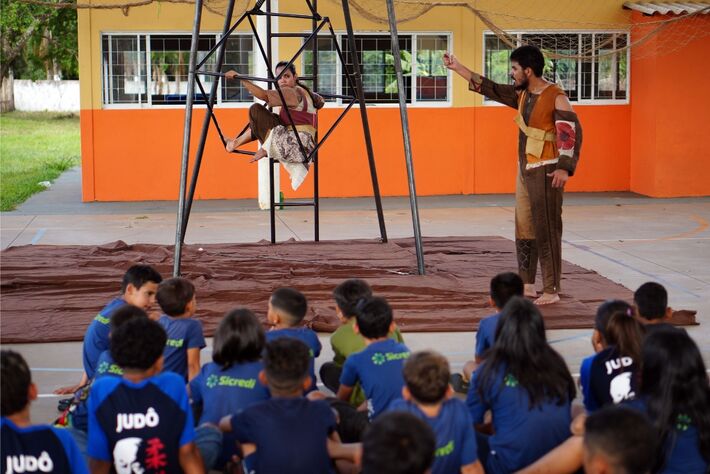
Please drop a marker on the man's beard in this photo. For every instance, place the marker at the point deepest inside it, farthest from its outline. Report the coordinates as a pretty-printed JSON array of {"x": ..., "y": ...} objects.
[{"x": 522, "y": 86}]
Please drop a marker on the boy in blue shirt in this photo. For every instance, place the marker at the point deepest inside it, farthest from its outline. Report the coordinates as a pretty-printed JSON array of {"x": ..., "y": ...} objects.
[
  {"x": 287, "y": 308},
  {"x": 428, "y": 396},
  {"x": 143, "y": 420},
  {"x": 378, "y": 367},
  {"x": 176, "y": 297},
  {"x": 503, "y": 287},
  {"x": 290, "y": 433},
  {"x": 28, "y": 448},
  {"x": 138, "y": 288}
]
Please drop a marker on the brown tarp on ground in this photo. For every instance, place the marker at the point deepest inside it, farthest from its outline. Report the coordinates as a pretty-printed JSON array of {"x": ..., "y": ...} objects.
[{"x": 51, "y": 293}]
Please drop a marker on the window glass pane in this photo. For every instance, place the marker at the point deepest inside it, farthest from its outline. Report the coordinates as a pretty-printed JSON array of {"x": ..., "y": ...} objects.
[
  {"x": 605, "y": 68},
  {"x": 621, "y": 66},
  {"x": 432, "y": 75},
  {"x": 497, "y": 59},
  {"x": 377, "y": 64},
  {"x": 327, "y": 66},
  {"x": 587, "y": 79},
  {"x": 124, "y": 69},
  {"x": 239, "y": 57},
  {"x": 169, "y": 61},
  {"x": 562, "y": 71}
]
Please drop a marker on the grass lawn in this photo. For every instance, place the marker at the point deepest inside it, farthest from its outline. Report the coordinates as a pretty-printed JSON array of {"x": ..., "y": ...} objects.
[{"x": 35, "y": 147}]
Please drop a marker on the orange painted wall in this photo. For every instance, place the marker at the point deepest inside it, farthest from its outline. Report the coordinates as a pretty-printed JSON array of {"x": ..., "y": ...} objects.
[
  {"x": 135, "y": 154},
  {"x": 669, "y": 117}
]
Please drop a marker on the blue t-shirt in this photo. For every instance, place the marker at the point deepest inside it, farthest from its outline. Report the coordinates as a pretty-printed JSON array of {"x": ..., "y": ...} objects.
[
  {"x": 226, "y": 392},
  {"x": 308, "y": 337},
  {"x": 96, "y": 339},
  {"x": 682, "y": 447},
  {"x": 455, "y": 439},
  {"x": 106, "y": 366},
  {"x": 290, "y": 435},
  {"x": 183, "y": 334},
  {"x": 378, "y": 368},
  {"x": 485, "y": 337},
  {"x": 38, "y": 448},
  {"x": 607, "y": 378},
  {"x": 140, "y": 425},
  {"x": 522, "y": 434}
]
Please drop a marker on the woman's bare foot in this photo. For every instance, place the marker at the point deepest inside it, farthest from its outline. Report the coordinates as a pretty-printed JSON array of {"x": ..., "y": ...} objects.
[
  {"x": 260, "y": 153},
  {"x": 530, "y": 290},
  {"x": 231, "y": 145},
  {"x": 547, "y": 298}
]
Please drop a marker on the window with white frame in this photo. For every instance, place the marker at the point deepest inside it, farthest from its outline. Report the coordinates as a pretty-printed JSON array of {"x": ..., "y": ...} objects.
[
  {"x": 420, "y": 55},
  {"x": 603, "y": 78},
  {"x": 152, "y": 69}
]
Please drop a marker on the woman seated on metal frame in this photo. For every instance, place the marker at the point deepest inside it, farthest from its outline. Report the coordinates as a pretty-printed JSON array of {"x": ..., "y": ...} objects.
[{"x": 274, "y": 130}]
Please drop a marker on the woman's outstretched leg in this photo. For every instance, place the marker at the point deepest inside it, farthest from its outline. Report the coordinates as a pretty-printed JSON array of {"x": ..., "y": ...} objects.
[{"x": 235, "y": 143}]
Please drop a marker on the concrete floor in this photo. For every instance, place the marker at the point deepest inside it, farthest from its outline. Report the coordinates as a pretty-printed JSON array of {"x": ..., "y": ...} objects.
[{"x": 628, "y": 238}]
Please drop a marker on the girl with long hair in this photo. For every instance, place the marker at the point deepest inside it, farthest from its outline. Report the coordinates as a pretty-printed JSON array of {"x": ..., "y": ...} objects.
[
  {"x": 528, "y": 388},
  {"x": 275, "y": 131}
]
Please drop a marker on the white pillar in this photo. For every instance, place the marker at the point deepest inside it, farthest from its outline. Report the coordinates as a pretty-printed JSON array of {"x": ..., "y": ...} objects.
[{"x": 261, "y": 71}]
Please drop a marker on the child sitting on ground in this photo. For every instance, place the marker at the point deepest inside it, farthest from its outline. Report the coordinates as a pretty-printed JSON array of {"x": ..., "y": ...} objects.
[
  {"x": 287, "y": 308},
  {"x": 27, "y": 447},
  {"x": 651, "y": 300},
  {"x": 503, "y": 287},
  {"x": 138, "y": 288},
  {"x": 378, "y": 367},
  {"x": 398, "y": 443},
  {"x": 290, "y": 432},
  {"x": 176, "y": 297},
  {"x": 142, "y": 420},
  {"x": 527, "y": 387},
  {"x": 345, "y": 341},
  {"x": 428, "y": 396},
  {"x": 609, "y": 376},
  {"x": 618, "y": 440},
  {"x": 230, "y": 384}
]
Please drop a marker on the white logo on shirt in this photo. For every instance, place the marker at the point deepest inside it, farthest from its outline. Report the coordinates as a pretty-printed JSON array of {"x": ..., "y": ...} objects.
[
  {"x": 125, "y": 454},
  {"x": 620, "y": 387},
  {"x": 28, "y": 463},
  {"x": 136, "y": 421}
]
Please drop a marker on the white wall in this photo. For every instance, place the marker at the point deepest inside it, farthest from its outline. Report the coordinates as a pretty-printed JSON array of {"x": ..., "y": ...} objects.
[{"x": 37, "y": 96}]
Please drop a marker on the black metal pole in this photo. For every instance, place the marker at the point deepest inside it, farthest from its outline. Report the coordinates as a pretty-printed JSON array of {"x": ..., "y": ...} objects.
[
  {"x": 272, "y": 207},
  {"x": 365, "y": 123},
  {"x": 206, "y": 122},
  {"x": 186, "y": 135},
  {"x": 405, "y": 135},
  {"x": 316, "y": 207}
]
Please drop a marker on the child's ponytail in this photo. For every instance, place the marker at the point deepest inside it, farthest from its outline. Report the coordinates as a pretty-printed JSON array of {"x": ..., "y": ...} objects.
[{"x": 626, "y": 333}]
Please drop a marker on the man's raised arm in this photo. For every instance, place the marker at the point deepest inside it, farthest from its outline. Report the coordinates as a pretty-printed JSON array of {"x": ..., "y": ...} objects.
[{"x": 503, "y": 93}]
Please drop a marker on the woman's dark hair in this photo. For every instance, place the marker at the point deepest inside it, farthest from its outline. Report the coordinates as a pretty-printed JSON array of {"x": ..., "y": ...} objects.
[
  {"x": 675, "y": 384},
  {"x": 318, "y": 104},
  {"x": 521, "y": 350},
  {"x": 239, "y": 338},
  {"x": 625, "y": 333}
]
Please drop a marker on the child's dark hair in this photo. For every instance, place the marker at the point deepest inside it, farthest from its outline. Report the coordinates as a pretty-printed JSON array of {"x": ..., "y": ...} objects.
[
  {"x": 348, "y": 293},
  {"x": 622, "y": 435},
  {"x": 521, "y": 348},
  {"x": 625, "y": 333},
  {"x": 286, "y": 363},
  {"x": 398, "y": 443},
  {"x": 529, "y": 56},
  {"x": 317, "y": 103},
  {"x": 291, "y": 302},
  {"x": 16, "y": 381},
  {"x": 174, "y": 294},
  {"x": 239, "y": 338},
  {"x": 427, "y": 375},
  {"x": 674, "y": 383},
  {"x": 126, "y": 313},
  {"x": 651, "y": 299},
  {"x": 137, "y": 344},
  {"x": 604, "y": 312},
  {"x": 139, "y": 275},
  {"x": 374, "y": 317},
  {"x": 504, "y": 286}
]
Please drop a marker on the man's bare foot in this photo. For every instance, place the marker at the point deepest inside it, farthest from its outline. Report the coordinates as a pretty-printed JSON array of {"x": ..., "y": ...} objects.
[
  {"x": 231, "y": 145},
  {"x": 260, "y": 153},
  {"x": 547, "y": 298},
  {"x": 530, "y": 290}
]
